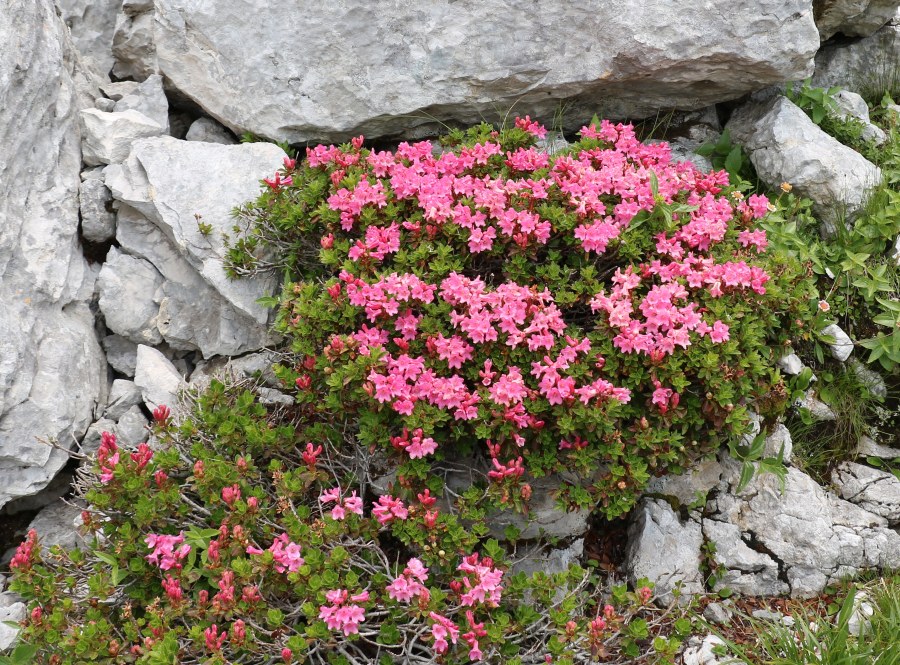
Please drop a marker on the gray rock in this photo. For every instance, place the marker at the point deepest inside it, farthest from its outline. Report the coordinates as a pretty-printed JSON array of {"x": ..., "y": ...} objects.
[
  {"x": 104, "y": 104},
  {"x": 865, "y": 66},
  {"x": 690, "y": 487},
  {"x": 148, "y": 98},
  {"x": 128, "y": 287},
  {"x": 779, "y": 442},
  {"x": 120, "y": 89},
  {"x": 444, "y": 61},
  {"x": 122, "y": 396},
  {"x": 818, "y": 409},
  {"x": 871, "y": 489},
  {"x": 815, "y": 537},
  {"x": 55, "y": 490},
  {"x": 120, "y": 354},
  {"x": 108, "y": 136},
  {"x": 656, "y": 528},
  {"x": 272, "y": 397},
  {"x": 544, "y": 519},
  {"x": 131, "y": 430},
  {"x": 92, "y": 23},
  {"x": 704, "y": 652},
  {"x": 550, "y": 561},
  {"x": 157, "y": 378},
  {"x": 90, "y": 444},
  {"x": 56, "y": 525},
  {"x": 207, "y": 130},
  {"x": 790, "y": 364},
  {"x": 868, "y": 447},
  {"x": 869, "y": 378},
  {"x": 852, "y": 106},
  {"x": 860, "y": 618},
  {"x": 842, "y": 346},
  {"x": 774, "y": 617},
  {"x": 10, "y": 612},
  {"x": 718, "y": 613},
  {"x": 98, "y": 221},
  {"x": 168, "y": 181},
  {"x": 746, "y": 571},
  {"x": 193, "y": 315},
  {"x": 853, "y": 18},
  {"x": 784, "y": 145}
]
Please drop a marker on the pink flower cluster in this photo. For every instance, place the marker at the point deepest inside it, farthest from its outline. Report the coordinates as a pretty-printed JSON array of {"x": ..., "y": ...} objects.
[
  {"x": 483, "y": 582},
  {"x": 416, "y": 445},
  {"x": 107, "y": 456},
  {"x": 350, "y": 504},
  {"x": 343, "y": 612},
  {"x": 387, "y": 509},
  {"x": 164, "y": 554},
  {"x": 441, "y": 630},
  {"x": 410, "y": 584}
]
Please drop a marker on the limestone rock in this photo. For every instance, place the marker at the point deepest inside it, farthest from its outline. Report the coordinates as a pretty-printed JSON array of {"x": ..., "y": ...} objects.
[
  {"x": 207, "y": 130},
  {"x": 108, "y": 136},
  {"x": 705, "y": 652},
  {"x": 863, "y": 65},
  {"x": 363, "y": 70},
  {"x": 131, "y": 429},
  {"x": 863, "y": 611},
  {"x": 170, "y": 182},
  {"x": 656, "y": 528},
  {"x": 55, "y": 525},
  {"x": 871, "y": 379},
  {"x": 120, "y": 89},
  {"x": 790, "y": 364},
  {"x": 93, "y": 23},
  {"x": 544, "y": 518},
  {"x": 868, "y": 447},
  {"x": 127, "y": 287},
  {"x": 746, "y": 570},
  {"x": 815, "y": 537},
  {"x": 122, "y": 396},
  {"x": 148, "y": 98},
  {"x": 778, "y": 442},
  {"x": 784, "y": 145},
  {"x": 842, "y": 346},
  {"x": 718, "y": 613},
  {"x": 818, "y": 409},
  {"x": 690, "y": 487},
  {"x": 13, "y": 612},
  {"x": 853, "y": 106},
  {"x": 120, "y": 354},
  {"x": 871, "y": 489},
  {"x": 852, "y": 18},
  {"x": 98, "y": 222},
  {"x": 533, "y": 559},
  {"x": 157, "y": 378}
]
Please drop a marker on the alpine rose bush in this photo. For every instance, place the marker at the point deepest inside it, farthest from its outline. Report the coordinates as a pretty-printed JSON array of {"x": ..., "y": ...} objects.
[{"x": 485, "y": 302}]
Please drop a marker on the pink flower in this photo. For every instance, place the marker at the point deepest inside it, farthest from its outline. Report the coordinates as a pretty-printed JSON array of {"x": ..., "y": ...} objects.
[
  {"x": 231, "y": 494},
  {"x": 286, "y": 554},
  {"x": 441, "y": 630},
  {"x": 341, "y": 616},
  {"x": 164, "y": 553},
  {"x": 388, "y": 508}
]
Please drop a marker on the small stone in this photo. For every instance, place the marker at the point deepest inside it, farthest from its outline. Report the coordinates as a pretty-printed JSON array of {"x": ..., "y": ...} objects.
[
  {"x": 863, "y": 611},
  {"x": 704, "y": 652},
  {"x": 868, "y": 447},
  {"x": 148, "y": 98},
  {"x": 791, "y": 364},
  {"x": 120, "y": 354},
  {"x": 12, "y": 612},
  {"x": 123, "y": 395},
  {"x": 852, "y": 106},
  {"x": 105, "y": 105},
  {"x": 779, "y": 442},
  {"x": 55, "y": 525},
  {"x": 871, "y": 379},
  {"x": 842, "y": 346},
  {"x": 116, "y": 91},
  {"x": 131, "y": 430},
  {"x": 272, "y": 397},
  {"x": 107, "y": 137},
  {"x": 717, "y": 613},
  {"x": 157, "y": 378},
  {"x": 208, "y": 130},
  {"x": 98, "y": 222},
  {"x": 817, "y": 409},
  {"x": 768, "y": 615},
  {"x": 90, "y": 444}
]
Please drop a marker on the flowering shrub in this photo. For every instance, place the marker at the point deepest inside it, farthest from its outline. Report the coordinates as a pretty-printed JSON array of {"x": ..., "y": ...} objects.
[
  {"x": 222, "y": 545},
  {"x": 604, "y": 311}
]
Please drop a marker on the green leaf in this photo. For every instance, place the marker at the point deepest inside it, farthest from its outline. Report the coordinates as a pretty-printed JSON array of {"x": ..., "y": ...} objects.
[{"x": 734, "y": 160}]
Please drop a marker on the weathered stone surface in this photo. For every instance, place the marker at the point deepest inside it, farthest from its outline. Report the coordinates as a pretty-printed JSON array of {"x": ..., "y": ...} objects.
[
  {"x": 443, "y": 61},
  {"x": 157, "y": 378},
  {"x": 853, "y": 18},
  {"x": 868, "y": 447},
  {"x": 170, "y": 182},
  {"x": 131, "y": 429},
  {"x": 746, "y": 571},
  {"x": 533, "y": 559},
  {"x": 148, "y": 98},
  {"x": 98, "y": 222},
  {"x": 207, "y": 130},
  {"x": 779, "y": 442},
  {"x": 818, "y": 409},
  {"x": 842, "y": 346},
  {"x": 120, "y": 354},
  {"x": 10, "y": 611},
  {"x": 55, "y": 525},
  {"x": 93, "y": 23},
  {"x": 784, "y": 145},
  {"x": 865, "y": 65},
  {"x": 852, "y": 106},
  {"x": 127, "y": 287},
  {"x": 871, "y": 379},
  {"x": 690, "y": 487},
  {"x": 122, "y": 396},
  {"x": 192, "y": 314},
  {"x": 790, "y": 364},
  {"x": 705, "y": 652},
  {"x": 108, "y": 136},
  {"x": 544, "y": 518},
  {"x": 718, "y": 613},
  {"x": 656, "y": 528},
  {"x": 871, "y": 489},
  {"x": 815, "y": 537}
]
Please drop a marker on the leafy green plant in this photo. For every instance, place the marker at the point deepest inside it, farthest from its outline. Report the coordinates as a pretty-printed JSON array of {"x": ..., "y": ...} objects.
[{"x": 819, "y": 103}]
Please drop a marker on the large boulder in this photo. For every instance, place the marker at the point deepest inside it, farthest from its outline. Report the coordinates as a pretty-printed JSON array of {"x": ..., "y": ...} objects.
[
  {"x": 784, "y": 145},
  {"x": 176, "y": 199},
  {"x": 363, "y": 68},
  {"x": 866, "y": 66},
  {"x": 852, "y": 18},
  {"x": 52, "y": 374},
  {"x": 93, "y": 24}
]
